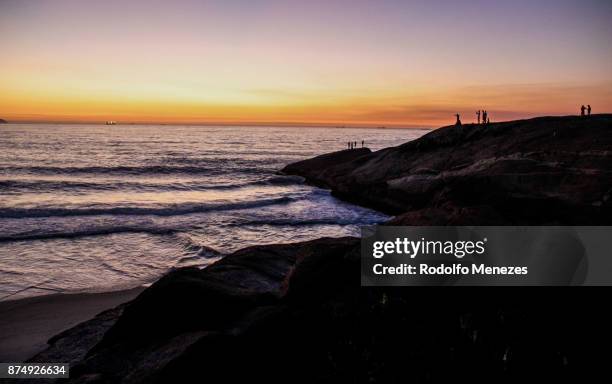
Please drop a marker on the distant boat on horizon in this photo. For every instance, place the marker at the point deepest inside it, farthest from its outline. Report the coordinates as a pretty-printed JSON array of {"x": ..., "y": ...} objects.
[{"x": 111, "y": 122}]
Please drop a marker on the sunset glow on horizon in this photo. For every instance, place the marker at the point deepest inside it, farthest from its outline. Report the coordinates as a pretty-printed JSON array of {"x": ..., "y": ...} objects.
[{"x": 391, "y": 63}]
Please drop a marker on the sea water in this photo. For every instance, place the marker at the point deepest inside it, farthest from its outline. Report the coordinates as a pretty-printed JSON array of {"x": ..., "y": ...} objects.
[{"x": 95, "y": 207}]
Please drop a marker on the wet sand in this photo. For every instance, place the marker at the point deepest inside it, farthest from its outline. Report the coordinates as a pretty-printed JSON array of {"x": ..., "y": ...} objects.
[{"x": 27, "y": 324}]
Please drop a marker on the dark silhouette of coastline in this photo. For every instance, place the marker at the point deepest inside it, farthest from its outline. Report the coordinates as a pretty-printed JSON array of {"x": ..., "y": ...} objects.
[{"x": 467, "y": 174}]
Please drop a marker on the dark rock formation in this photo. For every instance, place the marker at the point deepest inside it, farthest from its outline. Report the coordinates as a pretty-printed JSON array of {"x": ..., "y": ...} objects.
[
  {"x": 72, "y": 345},
  {"x": 311, "y": 169},
  {"x": 191, "y": 309},
  {"x": 2, "y": 121},
  {"x": 296, "y": 313},
  {"x": 550, "y": 170}
]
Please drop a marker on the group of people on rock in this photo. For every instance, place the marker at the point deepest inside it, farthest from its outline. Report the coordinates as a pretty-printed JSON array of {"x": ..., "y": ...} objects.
[
  {"x": 353, "y": 144},
  {"x": 485, "y": 117},
  {"x": 482, "y": 117},
  {"x": 587, "y": 109}
]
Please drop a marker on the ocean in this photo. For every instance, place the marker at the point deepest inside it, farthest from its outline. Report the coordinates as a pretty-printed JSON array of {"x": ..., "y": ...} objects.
[{"x": 91, "y": 208}]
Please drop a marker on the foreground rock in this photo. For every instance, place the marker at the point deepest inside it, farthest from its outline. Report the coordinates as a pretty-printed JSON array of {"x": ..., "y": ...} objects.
[
  {"x": 550, "y": 170},
  {"x": 296, "y": 314},
  {"x": 193, "y": 315}
]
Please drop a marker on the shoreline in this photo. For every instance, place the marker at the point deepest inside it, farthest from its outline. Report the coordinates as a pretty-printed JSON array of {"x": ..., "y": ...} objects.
[{"x": 27, "y": 324}]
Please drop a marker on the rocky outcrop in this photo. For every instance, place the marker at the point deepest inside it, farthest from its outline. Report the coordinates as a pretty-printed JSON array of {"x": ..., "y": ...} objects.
[
  {"x": 2, "y": 121},
  {"x": 296, "y": 313},
  {"x": 311, "y": 169},
  {"x": 72, "y": 345},
  {"x": 194, "y": 313},
  {"x": 550, "y": 170}
]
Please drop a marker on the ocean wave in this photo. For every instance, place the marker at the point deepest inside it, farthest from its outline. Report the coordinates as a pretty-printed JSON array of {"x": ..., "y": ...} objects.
[
  {"x": 176, "y": 210},
  {"x": 195, "y": 250},
  {"x": 280, "y": 180},
  {"x": 63, "y": 185},
  {"x": 199, "y": 259},
  {"x": 132, "y": 170},
  {"x": 100, "y": 231},
  {"x": 306, "y": 222}
]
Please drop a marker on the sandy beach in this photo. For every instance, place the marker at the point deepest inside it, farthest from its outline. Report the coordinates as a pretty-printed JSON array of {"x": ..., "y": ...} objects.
[{"x": 27, "y": 324}]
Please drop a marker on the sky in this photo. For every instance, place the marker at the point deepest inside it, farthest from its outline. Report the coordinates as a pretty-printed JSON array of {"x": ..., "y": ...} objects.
[{"x": 412, "y": 63}]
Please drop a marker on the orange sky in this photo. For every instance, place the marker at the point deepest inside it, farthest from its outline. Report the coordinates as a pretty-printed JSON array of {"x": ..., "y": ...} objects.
[{"x": 341, "y": 63}]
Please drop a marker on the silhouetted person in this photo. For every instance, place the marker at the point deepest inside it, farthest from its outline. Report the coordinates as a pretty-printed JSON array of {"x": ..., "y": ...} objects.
[
  {"x": 478, "y": 114},
  {"x": 458, "y": 119},
  {"x": 348, "y": 144},
  {"x": 488, "y": 121},
  {"x": 582, "y": 109},
  {"x": 589, "y": 109}
]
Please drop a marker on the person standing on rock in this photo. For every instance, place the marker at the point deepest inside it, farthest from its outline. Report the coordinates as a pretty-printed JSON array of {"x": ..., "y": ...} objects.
[
  {"x": 458, "y": 123},
  {"x": 478, "y": 115},
  {"x": 589, "y": 109},
  {"x": 362, "y": 143},
  {"x": 485, "y": 114},
  {"x": 582, "y": 109}
]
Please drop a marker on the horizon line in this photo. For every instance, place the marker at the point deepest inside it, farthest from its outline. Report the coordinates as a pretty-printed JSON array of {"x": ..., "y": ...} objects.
[
  {"x": 275, "y": 124},
  {"x": 229, "y": 124}
]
